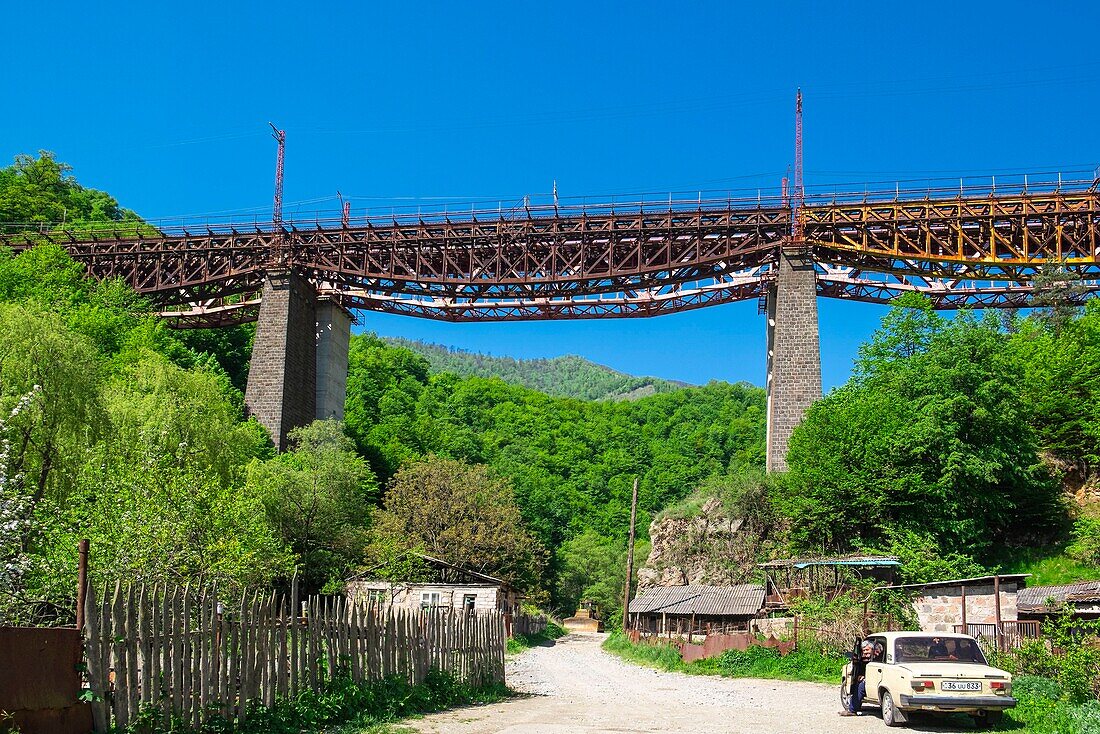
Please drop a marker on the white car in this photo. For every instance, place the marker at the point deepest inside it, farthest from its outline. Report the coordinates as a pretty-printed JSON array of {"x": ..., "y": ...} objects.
[{"x": 934, "y": 672}]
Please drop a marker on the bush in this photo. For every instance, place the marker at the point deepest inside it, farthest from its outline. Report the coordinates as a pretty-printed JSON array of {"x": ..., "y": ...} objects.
[
  {"x": 810, "y": 662},
  {"x": 1086, "y": 717},
  {"x": 342, "y": 700},
  {"x": 1037, "y": 688},
  {"x": 519, "y": 643}
]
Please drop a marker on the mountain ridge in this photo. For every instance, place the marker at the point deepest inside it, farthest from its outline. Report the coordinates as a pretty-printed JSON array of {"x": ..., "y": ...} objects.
[{"x": 567, "y": 376}]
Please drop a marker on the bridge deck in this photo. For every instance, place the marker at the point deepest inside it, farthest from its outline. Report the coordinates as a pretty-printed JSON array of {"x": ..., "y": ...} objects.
[{"x": 610, "y": 260}]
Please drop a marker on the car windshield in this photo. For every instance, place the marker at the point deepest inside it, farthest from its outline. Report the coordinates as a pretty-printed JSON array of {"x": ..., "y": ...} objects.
[{"x": 937, "y": 650}]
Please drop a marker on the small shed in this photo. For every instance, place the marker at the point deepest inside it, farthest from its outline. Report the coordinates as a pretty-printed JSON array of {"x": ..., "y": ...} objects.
[
  {"x": 447, "y": 586},
  {"x": 797, "y": 578},
  {"x": 695, "y": 608},
  {"x": 1038, "y": 602}
]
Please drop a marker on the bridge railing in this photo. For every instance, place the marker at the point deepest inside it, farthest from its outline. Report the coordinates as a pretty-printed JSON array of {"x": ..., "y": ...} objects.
[{"x": 438, "y": 212}]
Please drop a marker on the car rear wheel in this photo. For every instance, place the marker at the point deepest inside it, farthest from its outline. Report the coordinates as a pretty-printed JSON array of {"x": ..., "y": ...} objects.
[{"x": 891, "y": 715}]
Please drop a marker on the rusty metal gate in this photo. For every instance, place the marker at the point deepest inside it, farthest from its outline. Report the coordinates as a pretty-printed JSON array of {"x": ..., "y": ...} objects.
[{"x": 40, "y": 680}]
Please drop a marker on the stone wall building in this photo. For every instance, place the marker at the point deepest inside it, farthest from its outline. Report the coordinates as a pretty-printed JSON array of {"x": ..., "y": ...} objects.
[
  {"x": 942, "y": 605},
  {"x": 448, "y": 586}
]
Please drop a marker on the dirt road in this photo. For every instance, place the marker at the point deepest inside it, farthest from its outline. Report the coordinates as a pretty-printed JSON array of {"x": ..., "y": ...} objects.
[{"x": 573, "y": 686}]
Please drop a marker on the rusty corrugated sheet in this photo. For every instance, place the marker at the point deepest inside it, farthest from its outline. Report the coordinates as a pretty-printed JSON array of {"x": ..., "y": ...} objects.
[
  {"x": 1035, "y": 597},
  {"x": 40, "y": 680},
  {"x": 743, "y": 600}
]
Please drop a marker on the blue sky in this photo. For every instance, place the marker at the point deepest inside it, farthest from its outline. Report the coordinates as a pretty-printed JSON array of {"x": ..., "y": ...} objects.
[{"x": 166, "y": 105}]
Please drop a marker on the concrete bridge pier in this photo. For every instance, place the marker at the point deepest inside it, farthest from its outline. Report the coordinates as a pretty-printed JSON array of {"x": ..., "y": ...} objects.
[
  {"x": 299, "y": 363},
  {"x": 794, "y": 351},
  {"x": 333, "y": 342}
]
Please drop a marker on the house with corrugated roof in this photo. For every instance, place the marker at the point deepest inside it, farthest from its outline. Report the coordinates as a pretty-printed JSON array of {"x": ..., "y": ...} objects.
[
  {"x": 696, "y": 609},
  {"x": 1039, "y": 602},
  {"x": 445, "y": 586}
]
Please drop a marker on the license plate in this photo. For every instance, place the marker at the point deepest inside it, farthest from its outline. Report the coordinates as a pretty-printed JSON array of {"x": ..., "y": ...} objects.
[{"x": 961, "y": 685}]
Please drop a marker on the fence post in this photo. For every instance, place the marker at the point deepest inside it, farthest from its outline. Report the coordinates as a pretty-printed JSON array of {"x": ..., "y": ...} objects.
[{"x": 81, "y": 582}]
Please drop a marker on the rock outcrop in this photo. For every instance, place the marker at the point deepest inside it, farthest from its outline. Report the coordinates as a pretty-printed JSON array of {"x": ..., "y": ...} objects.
[{"x": 707, "y": 548}]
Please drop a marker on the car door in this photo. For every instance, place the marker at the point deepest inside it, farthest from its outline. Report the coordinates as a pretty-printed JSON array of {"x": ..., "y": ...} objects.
[{"x": 876, "y": 669}]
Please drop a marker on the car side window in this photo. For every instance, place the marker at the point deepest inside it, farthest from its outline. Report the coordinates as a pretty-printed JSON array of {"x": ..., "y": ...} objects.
[{"x": 880, "y": 650}]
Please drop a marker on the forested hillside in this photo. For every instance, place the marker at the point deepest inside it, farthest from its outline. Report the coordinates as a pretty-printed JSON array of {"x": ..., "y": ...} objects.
[
  {"x": 569, "y": 376},
  {"x": 571, "y": 462}
]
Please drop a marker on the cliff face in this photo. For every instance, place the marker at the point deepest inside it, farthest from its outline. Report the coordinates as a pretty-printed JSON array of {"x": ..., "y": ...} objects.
[{"x": 708, "y": 548}]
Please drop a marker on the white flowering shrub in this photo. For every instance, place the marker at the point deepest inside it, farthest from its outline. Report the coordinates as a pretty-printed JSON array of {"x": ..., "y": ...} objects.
[{"x": 15, "y": 516}]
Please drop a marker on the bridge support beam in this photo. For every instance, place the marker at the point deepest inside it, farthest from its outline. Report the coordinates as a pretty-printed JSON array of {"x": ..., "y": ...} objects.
[
  {"x": 299, "y": 365},
  {"x": 794, "y": 351}
]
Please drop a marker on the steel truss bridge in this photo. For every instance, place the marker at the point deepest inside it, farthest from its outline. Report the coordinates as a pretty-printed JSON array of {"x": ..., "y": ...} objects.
[{"x": 962, "y": 248}]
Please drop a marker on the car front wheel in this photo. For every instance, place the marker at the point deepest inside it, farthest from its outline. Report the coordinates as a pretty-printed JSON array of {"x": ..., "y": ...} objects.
[
  {"x": 891, "y": 715},
  {"x": 845, "y": 693}
]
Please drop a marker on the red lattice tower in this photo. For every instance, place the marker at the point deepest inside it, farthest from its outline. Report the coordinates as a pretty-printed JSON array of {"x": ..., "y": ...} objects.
[{"x": 277, "y": 209}]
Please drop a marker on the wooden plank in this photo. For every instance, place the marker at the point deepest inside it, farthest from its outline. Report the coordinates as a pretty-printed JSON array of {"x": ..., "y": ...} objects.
[
  {"x": 145, "y": 647},
  {"x": 311, "y": 654},
  {"x": 93, "y": 642},
  {"x": 295, "y": 612},
  {"x": 261, "y": 650},
  {"x": 186, "y": 658},
  {"x": 270, "y": 658},
  {"x": 171, "y": 655},
  {"x": 232, "y": 669},
  {"x": 225, "y": 683},
  {"x": 133, "y": 653},
  {"x": 198, "y": 664},
  {"x": 284, "y": 656},
  {"x": 243, "y": 672},
  {"x": 198, "y": 599},
  {"x": 118, "y": 657},
  {"x": 156, "y": 648}
]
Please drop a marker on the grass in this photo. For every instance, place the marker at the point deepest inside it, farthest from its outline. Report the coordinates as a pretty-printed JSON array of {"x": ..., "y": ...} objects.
[
  {"x": 687, "y": 508},
  {"x": 1047, "y": 566},
  {"x": 343, "y": 706},
  {"x": 1041, "y": 710},
  {"x": 520, "y": 643},
  {"x": 805, "y": 664}
]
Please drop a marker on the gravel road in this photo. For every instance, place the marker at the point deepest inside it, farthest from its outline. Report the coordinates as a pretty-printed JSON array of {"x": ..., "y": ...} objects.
[{"x": 574, "y": 686}]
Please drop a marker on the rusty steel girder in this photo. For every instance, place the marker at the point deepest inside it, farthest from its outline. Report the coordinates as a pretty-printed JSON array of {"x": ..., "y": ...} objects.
[
  {"x": 1006, "y": 234},
  {"x": 606, "y": 262}
]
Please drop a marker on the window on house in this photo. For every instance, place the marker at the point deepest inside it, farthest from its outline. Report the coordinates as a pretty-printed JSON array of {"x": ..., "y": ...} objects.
[
  {"x": 377, "y": 597},
  {"x": 468, "y": 602},
  {"x": 429, "y": 599}
]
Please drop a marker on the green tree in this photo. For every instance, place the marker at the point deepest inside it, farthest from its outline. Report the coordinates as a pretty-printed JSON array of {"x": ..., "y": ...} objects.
[
  {"x": 182, "y": 415},
  {"x": 164, "y": 523},
  {"x": 55, "y": 373},
  {"x": 463, "y": 514},
  {"x": 930, "y": 434},
  {"x": 318, "y": 497},
  {"x": 42, "y": 191},
  {"x": 593, "y": 567}
]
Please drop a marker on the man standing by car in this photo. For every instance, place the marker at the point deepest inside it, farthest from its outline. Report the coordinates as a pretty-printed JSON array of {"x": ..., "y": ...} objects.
[{"x": 862, "y": 655}]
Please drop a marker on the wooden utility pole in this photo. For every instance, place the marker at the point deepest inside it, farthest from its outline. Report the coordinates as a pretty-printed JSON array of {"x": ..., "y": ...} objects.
[{"x": 630, "y": 557}]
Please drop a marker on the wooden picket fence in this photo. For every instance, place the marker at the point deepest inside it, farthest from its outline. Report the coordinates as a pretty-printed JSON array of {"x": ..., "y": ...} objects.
[
  {"x": 186, "y": 654},
  {"x": 524, "y": 624}
]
